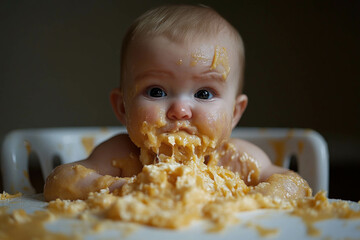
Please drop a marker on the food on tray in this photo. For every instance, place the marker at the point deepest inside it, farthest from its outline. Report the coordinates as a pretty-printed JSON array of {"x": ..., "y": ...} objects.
[{"x": 181, "y": 182}]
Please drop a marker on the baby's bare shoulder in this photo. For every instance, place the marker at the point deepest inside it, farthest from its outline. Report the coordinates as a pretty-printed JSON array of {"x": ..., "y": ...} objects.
[
  {"x": 251, "y": 149},
  {"x": 102, "y": 157},
  {"x": 266, "y": 167}
]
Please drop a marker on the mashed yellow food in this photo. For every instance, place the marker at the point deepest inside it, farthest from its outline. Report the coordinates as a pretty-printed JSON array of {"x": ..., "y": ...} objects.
[
  {"x": 5, "y": 195},
  {"x": 176, "y": 187}
]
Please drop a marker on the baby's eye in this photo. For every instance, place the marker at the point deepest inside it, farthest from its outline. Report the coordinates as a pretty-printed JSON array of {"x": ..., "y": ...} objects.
[
  {"x": 203, "y": 94},
  {"x": 156, "y": 92}
]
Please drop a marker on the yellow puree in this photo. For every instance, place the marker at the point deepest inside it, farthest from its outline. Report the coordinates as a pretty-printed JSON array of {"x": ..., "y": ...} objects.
[
  {"x": 20, "y": 225},
  {"x": 220, "y": 60},
  {"x": 5, "y": 195},
  {"x": 176, "y": 187}
]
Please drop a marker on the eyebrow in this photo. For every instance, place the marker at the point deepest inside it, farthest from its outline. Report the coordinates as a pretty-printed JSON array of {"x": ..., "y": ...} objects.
[
  {"x": 210, "y": 75},
  {"x": 151, "y": 73}
]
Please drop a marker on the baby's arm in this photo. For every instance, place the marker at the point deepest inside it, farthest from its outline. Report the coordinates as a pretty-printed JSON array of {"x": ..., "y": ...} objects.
[
  {"x": 107, "y": 166},
  {"x": 271, "y": 180}
]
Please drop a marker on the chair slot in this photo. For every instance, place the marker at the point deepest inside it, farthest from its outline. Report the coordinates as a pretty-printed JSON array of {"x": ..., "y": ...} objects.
[
  {"x": 35, "y": 172},
  {"x": 56, "y": 161},
  {"x": 293, "y": 163}
]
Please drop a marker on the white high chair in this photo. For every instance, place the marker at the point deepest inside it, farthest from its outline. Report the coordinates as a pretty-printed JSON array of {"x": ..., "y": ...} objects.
[{"x": 71, "y": 144}]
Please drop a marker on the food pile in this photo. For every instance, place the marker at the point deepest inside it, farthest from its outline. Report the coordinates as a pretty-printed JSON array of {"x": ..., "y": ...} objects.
[{"x": 179, "y": 185}]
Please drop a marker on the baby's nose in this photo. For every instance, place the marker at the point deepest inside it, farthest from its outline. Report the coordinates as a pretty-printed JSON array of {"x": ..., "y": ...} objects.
[{"x": 179, "y": 110}]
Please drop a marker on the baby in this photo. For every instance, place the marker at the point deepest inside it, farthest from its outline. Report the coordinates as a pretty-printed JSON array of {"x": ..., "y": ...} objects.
[{"x": 181, "y": 80}]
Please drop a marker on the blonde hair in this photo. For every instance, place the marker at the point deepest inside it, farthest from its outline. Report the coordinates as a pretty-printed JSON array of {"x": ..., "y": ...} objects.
[{"x": 180, "y": 23}]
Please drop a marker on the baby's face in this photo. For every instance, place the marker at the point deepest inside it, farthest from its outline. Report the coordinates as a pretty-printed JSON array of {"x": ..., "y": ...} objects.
[{"x": 181, "y": 86}]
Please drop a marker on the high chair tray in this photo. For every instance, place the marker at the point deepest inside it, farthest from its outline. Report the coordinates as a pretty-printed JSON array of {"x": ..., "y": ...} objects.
[{"x": 252, "y": 225}]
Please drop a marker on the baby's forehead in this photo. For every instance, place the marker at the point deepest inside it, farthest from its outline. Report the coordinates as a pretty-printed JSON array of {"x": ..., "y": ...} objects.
[
  {"x": 183, "y": 24},
  {"x": 217, "y": 54},
  {"x": 220, "y": 39}
]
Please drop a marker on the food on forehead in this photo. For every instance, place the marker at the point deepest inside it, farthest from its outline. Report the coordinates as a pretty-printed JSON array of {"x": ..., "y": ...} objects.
[
  {"x": 221, "y": 59},
  {"x": 199, "y": 57}
]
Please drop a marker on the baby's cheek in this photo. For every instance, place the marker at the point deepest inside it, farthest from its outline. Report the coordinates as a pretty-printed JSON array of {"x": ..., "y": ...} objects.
[
  {"x": 214, "y": 124},
  {"x": 151, "y": 114}
]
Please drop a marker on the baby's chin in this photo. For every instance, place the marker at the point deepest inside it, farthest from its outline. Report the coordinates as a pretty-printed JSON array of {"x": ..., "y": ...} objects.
[
  {"x": 153, "y": 135},
  {"x": 179, "y": 139}
]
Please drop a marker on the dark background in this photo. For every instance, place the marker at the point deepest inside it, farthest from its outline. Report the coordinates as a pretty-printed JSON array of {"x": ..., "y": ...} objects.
[{"x": 60, "y": 59}]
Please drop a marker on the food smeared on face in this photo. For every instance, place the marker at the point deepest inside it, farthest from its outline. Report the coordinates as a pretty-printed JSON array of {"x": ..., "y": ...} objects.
[
  {"x": 174, "y": 143},
  {"x": 199, "y": 56},
  {"x": 179, "y": 62},
  {"x": 221, "y": 60}
]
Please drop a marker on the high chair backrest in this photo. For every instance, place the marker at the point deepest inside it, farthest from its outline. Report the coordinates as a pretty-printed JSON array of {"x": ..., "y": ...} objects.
[{"x": 71, "y": 144}]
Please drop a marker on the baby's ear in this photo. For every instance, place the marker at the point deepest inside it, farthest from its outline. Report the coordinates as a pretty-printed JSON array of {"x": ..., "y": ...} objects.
[
  {"x": 117, "y": 103},
  {"x": 241, "y": 102}
]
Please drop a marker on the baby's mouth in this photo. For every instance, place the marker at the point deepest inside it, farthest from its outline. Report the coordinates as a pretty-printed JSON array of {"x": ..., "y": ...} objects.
[{"x": 178, "y": 126}]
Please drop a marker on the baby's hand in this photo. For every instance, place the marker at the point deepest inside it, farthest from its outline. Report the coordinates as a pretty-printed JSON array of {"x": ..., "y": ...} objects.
[
  {"x": 73, "y": 182},
  {"x": 117, "y": 156},
  {"x": 288, "y": 185},
  {"x": 117, "y": 184}
]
